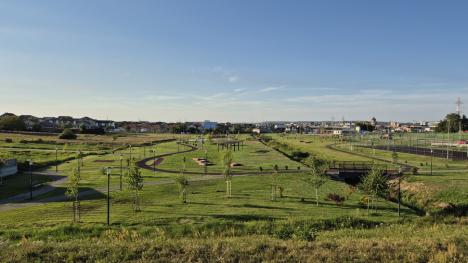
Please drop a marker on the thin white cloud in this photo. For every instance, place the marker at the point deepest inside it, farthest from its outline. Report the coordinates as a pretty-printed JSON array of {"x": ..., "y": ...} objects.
[
  {"x": 233, "y": 79},
  {"x": 240, "y": 89},
  {"x": 268, "y": 89}
]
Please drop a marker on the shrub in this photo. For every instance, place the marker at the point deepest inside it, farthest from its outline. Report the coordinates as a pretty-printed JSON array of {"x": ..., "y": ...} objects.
[
  {"x": 338, "y": 199},
  {"x": 67, "y": 134},
  {"x": 306, "y": 232},
  {"x": 8, "y": 140},
  {"x": 415, "y": 170},
  {"x": 300, "y": 155},
  {"x": 284, "y": 231},
  {"x": 23, "y": 141}
]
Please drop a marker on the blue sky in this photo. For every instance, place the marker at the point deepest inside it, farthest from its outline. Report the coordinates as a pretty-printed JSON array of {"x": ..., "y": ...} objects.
[{"x": 233, "y": 60}]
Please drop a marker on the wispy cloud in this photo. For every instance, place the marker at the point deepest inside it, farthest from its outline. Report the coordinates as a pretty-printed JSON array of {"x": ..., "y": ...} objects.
[
  {"x": 233, "y": 79},
  {"x": 268, "y": 89},
  {"x": 239, "y": 89},
  {"x": 227, "y": 74}
]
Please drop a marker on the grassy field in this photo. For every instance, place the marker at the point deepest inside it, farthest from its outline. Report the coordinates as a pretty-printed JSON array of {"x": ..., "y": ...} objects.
[{"x": 249, "y": 225}]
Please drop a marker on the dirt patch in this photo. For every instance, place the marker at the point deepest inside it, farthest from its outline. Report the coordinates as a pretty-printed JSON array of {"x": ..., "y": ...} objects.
[
  {"x": 158, "y": 161},
  {"x": 202, "y": 161},
  {"x": 236, "y": 164}
]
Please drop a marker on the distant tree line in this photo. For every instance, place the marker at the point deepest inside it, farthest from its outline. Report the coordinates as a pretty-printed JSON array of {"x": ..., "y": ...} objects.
[
  {"x": 12, "y": 123},
  {"x": 452, "y": 122},
  {"x": 365, "y": 126}
]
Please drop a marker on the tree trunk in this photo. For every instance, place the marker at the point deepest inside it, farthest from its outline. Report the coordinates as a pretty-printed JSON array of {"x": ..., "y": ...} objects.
[
  {"x": 227, "y": 188},
  {"x": 368, "y": 205},
  {"x": 316, "y": 196}
]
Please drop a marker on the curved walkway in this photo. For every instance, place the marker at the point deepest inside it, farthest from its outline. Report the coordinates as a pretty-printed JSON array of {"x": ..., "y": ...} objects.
[{"x": 143, "y": 164}]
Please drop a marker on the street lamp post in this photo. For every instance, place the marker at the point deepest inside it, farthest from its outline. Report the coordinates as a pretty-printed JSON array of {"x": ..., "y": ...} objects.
[
  {"x": 400, "y": 174},
  {"x": 432, "y": 154},
  {"x": 108, "y": 171},
  {"x": 154, "y": 161},
  {"x": 56, "y": 159},
  {"x": 206, "y": 162},
  {"x": 30, "y": 180},
  {"x": 121, "y": 159}
]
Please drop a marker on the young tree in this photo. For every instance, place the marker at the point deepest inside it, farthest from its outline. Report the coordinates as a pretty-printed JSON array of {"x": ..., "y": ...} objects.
[
  {"x": 274, "y": 183},
  {"x": 135, "y": 184},
  {"x": 373, "y": 184},
  {"x": 227, "y": 163},
  {"x": 73, "y": 191},
  {"x": 395, "y": 157},
  {"x": 182, "y": 183},
  {"x": 317, "y": 176}
]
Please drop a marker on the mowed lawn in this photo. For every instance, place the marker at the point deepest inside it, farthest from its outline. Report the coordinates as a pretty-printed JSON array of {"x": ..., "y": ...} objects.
[
  {"x": 206, "y": 195},
  {"x": 206, "y": 200},
  {"x": 317, "y": 146},
  {"x": 250, "y": 158}
]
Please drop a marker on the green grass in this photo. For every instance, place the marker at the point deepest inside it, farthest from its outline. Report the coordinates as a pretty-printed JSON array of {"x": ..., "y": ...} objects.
[
  {"x": 19, "y": 183},
  {"x": 247, "y": 227}
]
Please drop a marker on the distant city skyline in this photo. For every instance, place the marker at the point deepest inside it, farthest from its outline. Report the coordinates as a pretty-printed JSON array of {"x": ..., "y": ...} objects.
[{"x": 237, "y": 61}]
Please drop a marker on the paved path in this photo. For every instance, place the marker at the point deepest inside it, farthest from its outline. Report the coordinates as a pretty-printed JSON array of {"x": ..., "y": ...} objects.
[
  {"x": 47, "y": 187},
  {"x": 14, "y": 202},
  {"x": 143, "y": 164}
]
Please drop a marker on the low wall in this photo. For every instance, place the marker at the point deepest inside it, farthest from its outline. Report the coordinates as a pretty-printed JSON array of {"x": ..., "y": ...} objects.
[{"x": 9, "y": 168}]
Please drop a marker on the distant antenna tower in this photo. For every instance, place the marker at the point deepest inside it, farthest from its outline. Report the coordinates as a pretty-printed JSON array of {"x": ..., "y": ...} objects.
[{"x": 459, "y": 103}]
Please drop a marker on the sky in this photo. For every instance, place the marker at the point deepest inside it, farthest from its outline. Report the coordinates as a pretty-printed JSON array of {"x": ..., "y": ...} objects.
[{"x": 238, "y": 61}]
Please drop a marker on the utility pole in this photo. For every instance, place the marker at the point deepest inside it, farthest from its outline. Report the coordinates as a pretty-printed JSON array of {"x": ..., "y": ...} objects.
[
  {"x": 108, "y": 171},
  {"x": 30, "y": 180}
]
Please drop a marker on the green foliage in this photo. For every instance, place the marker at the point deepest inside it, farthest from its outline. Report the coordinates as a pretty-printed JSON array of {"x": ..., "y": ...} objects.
[
  {"x": 227, "y": 162},
  {"x": 182, "y": 183},
  {"x": 317, "y": 176},
  {"x": 365, "y": 126},
  {"x": 134, "y": 179},
  {"x": 135, "y": 184},
  {"x": 394, "y": 157},
  {"x": 73, "y": 185},
  {"x": 12, "y": 123},
  {"x": 452, "y": 123},
  {"x": 375, "y": 182},
  {"x": 67, "y": 134},
  {"x": 284, "y": 231}
]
